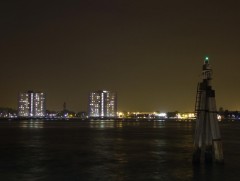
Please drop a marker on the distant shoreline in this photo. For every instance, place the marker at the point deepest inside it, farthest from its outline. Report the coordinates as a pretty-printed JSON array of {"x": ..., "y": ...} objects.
[{"x": 108, "y": 119}]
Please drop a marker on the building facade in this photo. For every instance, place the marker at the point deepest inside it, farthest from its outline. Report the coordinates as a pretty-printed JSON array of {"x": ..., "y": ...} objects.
[
  {"x": 31, "y": 104},
  {"x": 102, "y": 103}
]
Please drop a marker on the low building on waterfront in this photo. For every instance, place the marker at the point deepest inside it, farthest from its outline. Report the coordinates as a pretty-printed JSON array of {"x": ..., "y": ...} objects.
[
  {"x": 7, "y": 112},
  {"x": 186, "y": 115},
  {"x": 142, "y": 115}
]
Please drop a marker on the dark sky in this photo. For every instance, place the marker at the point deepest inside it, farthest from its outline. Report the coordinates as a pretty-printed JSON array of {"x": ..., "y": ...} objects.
[{"x": 148, "y": 51}]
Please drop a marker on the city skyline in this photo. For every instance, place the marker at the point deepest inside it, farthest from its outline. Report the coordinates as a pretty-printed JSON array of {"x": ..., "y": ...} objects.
[{"x": 149, "y": 52}]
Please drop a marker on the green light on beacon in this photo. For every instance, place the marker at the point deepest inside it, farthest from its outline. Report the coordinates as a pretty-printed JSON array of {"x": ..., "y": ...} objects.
[{"x": 206, "y": 59}]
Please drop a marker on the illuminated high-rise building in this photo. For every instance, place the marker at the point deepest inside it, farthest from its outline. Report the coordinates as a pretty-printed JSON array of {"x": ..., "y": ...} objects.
[
  {"x": 102, "y": 103},
  {"x": 31, "y": 104}
]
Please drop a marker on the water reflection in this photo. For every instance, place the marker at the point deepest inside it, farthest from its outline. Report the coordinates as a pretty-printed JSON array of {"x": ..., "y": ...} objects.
[
  {"x": 102, "y": 124},
  {"x": 32, "y": 124},
  {"x": 95, "y": 150},
  {"x": 158, "y": 124},
  {"x": 209, "y": 172}
]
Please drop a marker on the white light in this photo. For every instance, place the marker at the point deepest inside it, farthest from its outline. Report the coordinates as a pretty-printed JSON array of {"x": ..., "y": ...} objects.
[{"x": 162, "y": 115}]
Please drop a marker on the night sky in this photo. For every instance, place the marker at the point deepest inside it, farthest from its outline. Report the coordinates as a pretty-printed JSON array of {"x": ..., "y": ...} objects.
[{"x": 148, "y": 51}]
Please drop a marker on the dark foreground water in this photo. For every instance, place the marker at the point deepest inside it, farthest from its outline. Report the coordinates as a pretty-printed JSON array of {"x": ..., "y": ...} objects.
[{"x": 98, "y": 150}]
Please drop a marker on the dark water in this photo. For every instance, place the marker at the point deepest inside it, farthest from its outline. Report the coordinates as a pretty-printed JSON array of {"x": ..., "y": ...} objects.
[{"x": 97, "y": 150}]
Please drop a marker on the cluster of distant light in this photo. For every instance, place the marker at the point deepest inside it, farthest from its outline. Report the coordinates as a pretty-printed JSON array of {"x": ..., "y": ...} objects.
[
  {"x": 155, "y": 115},
  {"x": 8, "y": 115},
  {"x": 131, "y": 115},
  {"x": 231, "y": 115}
]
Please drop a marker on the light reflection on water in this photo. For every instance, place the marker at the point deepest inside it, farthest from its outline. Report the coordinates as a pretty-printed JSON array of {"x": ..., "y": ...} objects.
[
  {"x": 102, "y": 124},
  {"x": 120, "y": 124},
  {"x": 31, "y": 124},
  {"x": 108, "y": 150}
]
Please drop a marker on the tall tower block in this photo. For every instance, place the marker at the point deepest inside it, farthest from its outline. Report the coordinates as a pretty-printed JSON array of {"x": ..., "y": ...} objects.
[{"x": 207, "y": 140}]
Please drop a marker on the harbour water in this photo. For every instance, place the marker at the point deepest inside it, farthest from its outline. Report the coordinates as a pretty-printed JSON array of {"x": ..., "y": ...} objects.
[{"x": 110, "y": 150}]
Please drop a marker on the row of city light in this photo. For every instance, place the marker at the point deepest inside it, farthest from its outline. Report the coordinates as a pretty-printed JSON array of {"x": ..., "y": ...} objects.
[
  {"x": 137, "y": 115},
  {"x": 160, "y": 115}
]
